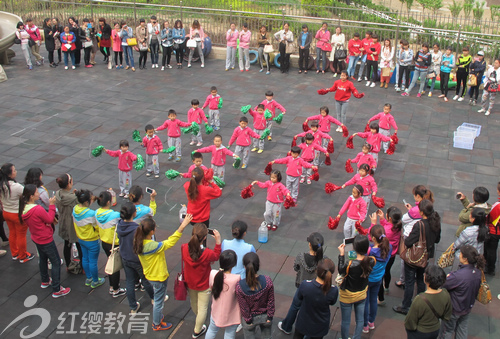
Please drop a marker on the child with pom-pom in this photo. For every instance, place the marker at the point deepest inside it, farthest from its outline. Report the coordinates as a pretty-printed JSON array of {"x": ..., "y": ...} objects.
[
  {"x": 219, "y": 153},
  {"x": 214, "y": 103},
  {"x": 374, "y": 138},
  {"x": 385, "y": 122},
  {"x": 259, "y": 126},
  {"x": 364, "y": 157},
  {"x": 366, "y": 181},
  {"x": 325, "y": 121},
  {"x": 309, "y": 149},
  {"x": 271, "y": 104},
  {"x": 125, "y": 165},
  {"x": 356, "y": 211},
  {"x": 197, "y": 162},
  {"x": 276, "y": 193},
  {"x": 174, "y": 133},
  {"x": 153, "y": 146},
  {"x": 243, "y": 136},
  {"x": 318, "y": 136},
  {"x": 196, "y": 114}
]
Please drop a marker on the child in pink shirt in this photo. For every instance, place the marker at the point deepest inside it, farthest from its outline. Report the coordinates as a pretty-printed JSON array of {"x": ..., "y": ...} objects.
[
  {"x": 197, "y": 162},
  {"x": 276, "y": 193},
  {"x": 245, "y": 37},
  {"x": 366, "y": 181},
  {"x": 259, "y": 126},
  {"x": 385, "y": 122},
  {"x": 243, "y": 136},
  {"x": 309, "y": 149},
  {"x": 174, "y": 133},
  {"x": 374, "y": 138},
  {"x": 196, "y": 114},
  {"x": 214, "y": 102},
  {"x": 271, "y": 105},
  {"x": 219, "y": 153},
  {"x": 125, "y": 160},
  {"x": 364, "y": 157},
  {"x": 153, "y": 147},
  {"x": 318, "y": 136},
  {"x": 324, "y": 121},
  {"x": 356, "y": 211}
]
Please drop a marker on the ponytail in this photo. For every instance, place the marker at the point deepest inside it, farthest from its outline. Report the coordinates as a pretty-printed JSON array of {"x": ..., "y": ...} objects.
[
  {"x": 145, "y": 228},
  {"x": 135, "y": 194},
  {"x": 200, "y": 231},
  {"x": 316, "y": 241},
  {"x": 479, "y": 216},
  {"x": 361, "y": 245},
  {"x": 423, "y": 192},
  {"x": 396, "y": 216},
  {"x": 227, "y": 261},
  {"x": 103, "y": 198},
  {"x": 427, "y": 209},
  {"x": 325, "y": 271},
  {"x": 28, "y": 191},
  {"x": 63, "y": 180},
  {"x": 377, "y": 233},
  {"x": 127, "y": 211},
  {"x": 252, "y": 264},
  {"x": 238, "y": 229},
  {"x": 5, "y": 176},
  {"x": 473, "y": 257},
  {"x": 195, "y": 180},
  {"x": 83, "y": 196}
]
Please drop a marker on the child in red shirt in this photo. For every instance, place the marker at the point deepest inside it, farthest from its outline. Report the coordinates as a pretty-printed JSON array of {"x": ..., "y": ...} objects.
[
  {"x": 196, "y": 114},
  {"x": 125, "y": 160},
  {"x": 271, "y": 105},
  {"x": 259, "y": 126},
  {"x": 356, "y": 211},
  {"x": 309, "y": 149},
  {"x": 324, "y": 121},
  {"x": 343, "y": 89},
  {"x": 318, "y": 137},
  {"x": 385, "y": 122},
  {"x": 366, "y": 181},
  {"x": 219, "y": 153},
  {"x": 364, "y": 157},
  {"x": 153, "y": 146}
]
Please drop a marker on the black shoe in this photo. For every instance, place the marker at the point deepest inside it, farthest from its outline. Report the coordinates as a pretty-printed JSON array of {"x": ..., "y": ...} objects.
[
  {"x": 399, "y": 309},
  {"x": 53, "y": 65}
]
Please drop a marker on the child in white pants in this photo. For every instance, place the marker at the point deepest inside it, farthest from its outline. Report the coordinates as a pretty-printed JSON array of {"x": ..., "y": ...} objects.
[
  {"x": 125, "y": 160},
  {"x": 356, "y": 211},
  {"x": 219, "y": 153}
]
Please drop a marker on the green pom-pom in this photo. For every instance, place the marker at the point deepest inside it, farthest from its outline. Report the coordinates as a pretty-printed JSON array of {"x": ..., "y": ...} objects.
[
  {"x": 136, "y": 136},
  {"x": 267, "y": 114},
  {"x": 245, "y": 109},
  {"x": 218, "y": 181},
  {"x": 186, "y": 130},
  {"x": 192, "y": 154},
  {"x": 195, "y": 128},
  {"x": 208, "y": 129},
  {"x": 207, "y": 115},
  {"x": 172, "y": 174},
  {"x": 279, "y": 118},
  {"x": 97, "y": 151},
  {"x": 220, "y": 103},
  {"x": 169, "y": 150},
  {"x": 265, "y": 134},
  {"x": 237, "y": 163},
  {"x": 139, "y": 163}
]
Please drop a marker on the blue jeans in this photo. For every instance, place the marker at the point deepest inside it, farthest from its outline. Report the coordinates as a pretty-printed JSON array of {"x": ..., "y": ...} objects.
[
  {"x": 49, "y": 252},
  {"x": 353, "y": 61},
  {"x": 160, "y": 289},
  {"x": 341, "y": 108},
  {"x": 133, "y": 272},
  {"x": 291, "y": 316},
  {"x": 128, "y": 54},
  {"x": 72, "y": 55},
  {"x": 458, "y": 324},
  {"x": 362, "y": 66},
  {"x": 433, "y": 83},
  {"x": 359, "y": 310},
  {"x": 90, "y": 254},
  {"x": 423, "y": 78},
  {"x": 320, "y": 54},
  {"x": 229, "y": 331},
  {"x": 371, "y": 306}
]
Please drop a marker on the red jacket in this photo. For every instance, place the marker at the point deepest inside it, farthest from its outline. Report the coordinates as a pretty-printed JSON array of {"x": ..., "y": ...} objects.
[
  {"x": 324, "y": 122},
  {"x": 343, "y": 90},
  {"x": 197, "y": 273},
  {"x": 368, "y": 183},
  {"x": 200, "y": 208},
  {"x": 371, "y": 56},
  {"x": 318, "y": 136},
  {"x": 293, "y": 166},
  {"x": 308, "y": 150},
  {"x": 189, "y": 173},
  {"x": 153, "y": 145},
  {"x": 367, "y": 158},
  {"x": 494, "y": 219},
  {"x": 353, "y": 47},
  {"x": 356, "y": 208},
  {"x": 374, "y": 139},
  {"x": 196, "y": 115},
  {"x": 125, "y": 160},
  {"x": 365, "y": 43},
  {"x": 243, "y": 136},
  {"x": 276, "y": 192},
  {"x": 174, "y": 127},
  {"x": 218, "y": 154},
  {"x": 39, "y": 223}
]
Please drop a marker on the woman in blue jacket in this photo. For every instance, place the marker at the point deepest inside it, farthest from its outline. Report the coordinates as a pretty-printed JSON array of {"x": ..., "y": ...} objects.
[
  {"x": 128, "y": 53},
  {"x": 447, "y": 63},
  {"x": 179, "y": 35}
]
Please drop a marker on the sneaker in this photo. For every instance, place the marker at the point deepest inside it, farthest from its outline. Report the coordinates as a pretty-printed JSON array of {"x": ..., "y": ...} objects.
[
  {"x": 460, "y": 99},
  {"x": 398, "y": 89},
  {"x": 419, "y": 95},
  {"x": 162, "y": 68},
  {"x": 399, "y": 309},
  {"x": 170, "y": 158},
  {"x": 157, "y": 175},
  {"x": 29, "y": 256},
  {"x": 470, "y": 102},
  {"x": 5, "y": 243},
  {"x": 99, "y": 282},
  {"x": 239, "y": 328},
  {"x": 136, "y": 309},
  {"x": 162, "y": 326},
  {"x": 2, "y": 253},
  {"x": 46, "y": 284},
  {"x": 216, "y": 128},
  {"x": 445, "y": 99},
  {"x": 153, "y": 66},
  {"x": 441, "y": 96},
  {"x": 381, "y": 84},
  {"x": 178, "y": 159},
  {"x": 125, "y": 196},
  {"x": 487, "y": 113},
  {"x": 302, "y": 179},
  {"x": 482, "y": 110},
  {"x": 119, "y": 292},
  {"x": 255, "y": 149},
  {"x": 371, "y": 326},
  {"x": 372, "y": 84},
  {"x": 121, "y": 194},
  {"x": 260, "y": 151},
  {"x": 133, "y": 69},
  {"x": 359, "y": 79},
  {"x": 65, "y": 67},
  {"x": 127, "y": 67},
  {"x": 269, "y": 226},
  {"x": 474, "y": 102},
  {"x": 267, "y": 73},
  {"x": 430, "y": 94},
  {"x": 366, "y": 78},
  {"x": 192, "y": 143},
  {"x": 88, "y": 281},
  {"x": 62, "y": 292},
  {"x": 404, "y": 94},
  {"x": 189, "y": 65},
  {"x": 455, "y": 97},
  {"x": 335, "y": 75},
  {"x": 367, "y": 84},
  {"x": 203, "y": 66},
  {"x": 169, "y": 66},
  {"x": 366, "y": 329},
  {"x": 199, "y": 144},
  {"x": 274, "y": 228},
  {"x": 403, "y": 88},
  {"x": 280, "y": 326},
  {"x": 261, "y": 70},
  {"x": 202, "y": 332},
  {"x": 381, "y": 303},
  {"x": 73, "y": 67},
  {"x": 243, "y": 166},
  {"x": 14, "y": 258},
  {"x": 308, "y": 181},
  {"x": 148, "y": 174}
]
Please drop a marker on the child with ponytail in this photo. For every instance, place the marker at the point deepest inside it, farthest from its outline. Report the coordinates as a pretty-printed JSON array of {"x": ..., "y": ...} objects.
[
  {"x": 199, "y": 196},
  {"x": 142, "y": 211},
  {"x": 152, "y": 256},
  {"x": 239, "y": 246},
  {"x": 225, "y": 312},
  {"x": 374, "y": 138},
  {"x": 356, "y": 209},
  {"x": 381, "y": 250}
]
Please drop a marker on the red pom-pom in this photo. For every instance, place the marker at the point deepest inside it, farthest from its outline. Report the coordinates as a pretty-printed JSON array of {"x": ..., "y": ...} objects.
[
  {"x": 209, "y": 174},
  {"x": 348, "y": 166},
  {"x": 330, "y": 188},
  {"x": 305, "y": 127},
  {"x": 294, "y": 141},
  {"x": 323, "y": 91},
  {"x": 315, "y": 175},
  {"x": 367, "y": 127},
  {"x": 345, "y": 132},
  {"x": 289, "y": 202},
  {"x": 391, "y": 149},
  {"x": 378, "y": 201},
  {"x": 358, "y": 95},
  {"x": 289, "y": 153},
  {"x": 349, "y": 143},
  {"x": 268, "y": 169},
  {"x": 360, "y": 229},
  {"x": 330, "y": 149},
  {"x": 395, "y": 139},
  {"x": 247, "y": 192},
  {"x": 333, "y": 223},
  {"x": 328, "y": 161}
]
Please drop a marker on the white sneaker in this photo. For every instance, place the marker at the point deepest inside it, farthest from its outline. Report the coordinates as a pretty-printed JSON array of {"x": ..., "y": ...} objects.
[
  {"x": 335, "y": 75},
  {"x": 280, "y": 326},
  {"x": 65, "y": 67},
  {"x": 460, "y": 99},
  {"x": 153, "y": 66},
  {"x": 162, "y": 68},
  {"x": 372, "y": 85},
  {"x": 398, "y": 89},
  {"x": 202, "y": 65},
  {"x": 189, "y": 65},
  {"x": 487, "y": 113},
  {"x": 156, "y": 65},
  {"x": 73, "y": 67},
  {"x": 199, "y": 144},
  {"x": 359, "y": 79},
  {"x": 169, "y": 66},
  {"x": 367, "y": 84},
  {"x": 366, "y": 78},
  {"x": 455, "y": 97},
  {"x": 482, "y": 110}
]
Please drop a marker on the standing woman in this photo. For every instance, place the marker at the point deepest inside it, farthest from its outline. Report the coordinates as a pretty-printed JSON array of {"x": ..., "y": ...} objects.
[
  {"x": 154, "y": 40},
  {"x": 141, "y": 33},
  {"x": 167, "y": 41},
  {"x": 50, "y": 34},
  {"x": 86, "y": 35},
  {"x": 447, "y": 64},
  {"x": 179, "y": 35},
  {"x": 386, "y": 56},
  {"x": 117, "y": 46},
  {"x": 477, "y": 69},
  {"x": 197, "y": 260},
  {"x": 75, "y": 29},
  {"x": 10, "y": 192},
  {"x": 196, "y": 33},
  {"x": 95, "y": 42},
  {"x": 232, "y": 35},
  {"x": 128, "y": 52},
  {"x": 68, "y": 39},
  {"x": 105, "y": 39},
  {"x": 304, "y": 42},
  {"x": 338, "y": 42},
  {"x": 263, "y": 40},
  {"x": 34, "y": 177},
  {"x": 285, "y": 38},
  {"x": 434, "y": 69},
  {"x": 60, "y": 29},
  {"x": 323, "y": 37},
  {"x": 142, "y": 212},
  {"x": 239, "y": 246},
  {"x": 24, "y": 36}
]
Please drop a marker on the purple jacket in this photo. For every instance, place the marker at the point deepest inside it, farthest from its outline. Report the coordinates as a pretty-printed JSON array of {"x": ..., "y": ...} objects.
[{"x": 463, "y": 286}]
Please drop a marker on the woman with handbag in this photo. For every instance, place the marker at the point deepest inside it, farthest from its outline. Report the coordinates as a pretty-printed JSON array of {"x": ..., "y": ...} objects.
[
  {"x": 427, "y": 230},
  {"x": 386, "y": 56},
  {"x": 265, "y": 47},
  {"x": 476, "y": 73},
  {"x": 106, "y": 220},
  {"x": 179, "y": 36},
  {"x": 142, "y": 36},
  {"x": 60, "y": 29},
  {"x": 304, "y": 42},
  {"x": 24, "y": 36},
  {"x": 196, "y": 41},
  {"x": 128, "y": 41},
  {"x": 152, "y": 256},
  {"x": 434, "y": 69},
  {"x": 338, "y": 53},
  {"x": 490, "y": 88},
  {"x": 167, "y": 41},
  {"x": 322, "y": 47},
  {"x": 87, "y": 34},
  {"x": 197, "y": 264},
  {"x": 285, "y": 38}
]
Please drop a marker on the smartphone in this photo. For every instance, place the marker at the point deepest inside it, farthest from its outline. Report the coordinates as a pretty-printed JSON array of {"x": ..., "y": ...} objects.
[
  {"x": 404, "y": 202},
  {"x": 348, "y": 241},
  {"x": 210, "y": 231},
  {"x": 458, "y": 196},
  {"x": 183, "y": 216},
  {"x": 149, "y": 190}
]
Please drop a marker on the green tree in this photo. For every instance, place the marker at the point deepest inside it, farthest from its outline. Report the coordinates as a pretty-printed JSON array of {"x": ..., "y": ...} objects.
[
  {"x": 409, "y": 3},
  {"x": 468, "y": 5},
  {"x": 425, "y": 4},
  {"x": 455, "y": 9},
  {"x": 435, "y": 6},
  {"x": 478, "y": 11},
  {"x": 495, "y": 12}
]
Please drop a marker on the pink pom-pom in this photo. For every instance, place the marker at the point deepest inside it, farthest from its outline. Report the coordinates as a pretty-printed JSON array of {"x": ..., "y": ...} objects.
[
  {"x": 247, "y": 192},
  {"x": 289, "y": 202},
  {"x": 268, "y": 169},
  {"x": 323, "y": 91},
  {"x": 330, "y": 149},
  {"x": 349, "y": 144},
  {"x": 360, "y": 229},
  {"x": 305, "y": 127},
  {"x": 345, "y": 131}
]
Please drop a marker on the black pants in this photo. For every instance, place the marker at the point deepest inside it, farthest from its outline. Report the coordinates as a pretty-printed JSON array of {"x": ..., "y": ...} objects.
[
  {"x": 474, "y": 92},
  {"x": 78, "y": 56},
  {"x": 154, "y": 47},
  {"x": 298, "y": 335},
  {"x": 143, "y": 57},
  {"x": 462, "y": 75},
  {"x": 86, "y": 55},
  {"x": 490, "y": 252},
  {"x": 59, "y": 55},
  {"x": 67, "y": 251},
  {"x": 179, "y": 54},
  {"x": 2, "y": 231},
  {"x": 106, "y": 52},
  {"x": 303, "y": 59},
  {"x": 285, "y": 59},
  {"x": 51, "y": 57},
  {"x": 166, "y": 55},
  {"x": 445, "y": 77},
  {"x": 406, "y": 71},
  {"x": 386, "y": 281},
  {"x": 372, "y": 66},
  {"x": 114, "y": 279},
  {"x": 118, "y": 55},
  {"x": 421, "y": 335}
]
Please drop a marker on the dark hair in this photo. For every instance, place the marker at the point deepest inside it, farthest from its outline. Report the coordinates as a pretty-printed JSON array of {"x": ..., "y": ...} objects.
[
  {"x": 85, "y": 20},
  {"x": 388, "y": 105},
  {"x": 434, "y": 276},
  {"x": 473, "y": 257},
  {"x": 325, "y": 109},
  {"x": 200, "y": 232},
  {"x": 227, "y": 260},
  {"x": 83, "y": 196},
  {"x": 251, "y": 262},
  {"x": 361, "y": 245},
  {"x": 465, "y": 48},
  {"x": 213, "y": 88},
  {"x": 63, "y": 180},
  {"x": 479, "y": 215},
  {"x": 195, "y": 180},
  {"x": 238, "y": 229},
  {"x": 196, "y": 24},
  {"x": 427, "y": 209},
  {"x": 142, "y": 20},
  {"x": 359, "y": 188},
  {"x": 103, "y": 198},
  {"x": 423, "y": 192},
  {"x": 395, "y": 215},
  {"x": 374, "y": 125},
  {"x": 149, "y": 127},
  {"x": 244, "y": 119},
  {"x": 245, "y": 25},
  {"x": 324, "y": 23},
  {"x": 28, "y": 191},
  {"x": 124, "y": 143},
  {"x": 369, "y": 32},
  {"x": 324, "y": 271},
  {"x": 365, "y": 167},
  {"x": 218, "y": 136},
  {"x": 127, "y": 211},
  {"x": 29, "y": 19},
  {"x": 178, "y": 23},
  {"x": 375, "y": 36},
  {"x": 73, "y": 18},
  {"x": 317, "y": 242},
  {"x": 5, "y": 173},
  {"x": 33, "y": 177},
  {"x": 278, "y": 175},
  {"x": 356, "y": 34},
  {"x": 197, "y": 155},
  {"x": 367, "y": 145},
  {"x": 45, "y": 22},
  {"x": 19, "y": 24},
  {"x": 304, "y": 26},
  {"x": 309, "y": 137},
  {"x": 147, "y": 226},
  {"x": 378, "y": 232},
  {"x": 449, "y": 48},
  {"x": 195, "y": 102},
  {"x": 102, "y": 20},
  {"x": 153, "y": 17},
  {"x": 135, "y": 194},
  {"x": 269, "y": 94},
  {"x": 314, "y": 124},
  {"x": 171, "y": 111},
  {"x": 344, "y": 72},
  {"x": 425, "y": 44},
  {"x": 296, "y": 149},
  {"x": 480, "y": 195},
  {"x": 435, "y": 44},
  {"x": 261, "y": 106}
]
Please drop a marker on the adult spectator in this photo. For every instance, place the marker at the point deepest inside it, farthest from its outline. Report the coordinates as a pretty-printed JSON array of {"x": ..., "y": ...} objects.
[
  {"x": 167, "y": 41},
  {"x": 477, "y": 68},
  {"x": 285, "y": 38},
  {"x": 434, "y": 69},
  {"x": 35, "y": 35},
  {"x": 263, "y": 40},
  {"x": 128, "y": 53},
  {"x": 365, "y": 45},
  {"x": 423, "y": 60},
  {"x": 179, "y": 35},
  {"x": 142, "y": 36},
  {"x": 491, "y": 243},
  {"x": 239, "y": 246},
  {"x": 338, "y": 42},
  {"x": 24, "y": 36},
  {"x": 154, "y": 40},
  {"x": 480, "y": 196},
  {"x": 51, "y": 34},
  {"x": 75, "y": 29},
  {"x": 355, "y": 54},
  {"x": 305, "y": 39},
  {"x": 60, "y": 29},
  {"x": 105, "y": 39},
  {"x": 322, "y": 47},
  {"x": 197, "y": 34}
]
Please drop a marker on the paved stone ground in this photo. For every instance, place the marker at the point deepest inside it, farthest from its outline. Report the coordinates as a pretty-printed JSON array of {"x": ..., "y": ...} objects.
[{"x": 51, "y": 118}]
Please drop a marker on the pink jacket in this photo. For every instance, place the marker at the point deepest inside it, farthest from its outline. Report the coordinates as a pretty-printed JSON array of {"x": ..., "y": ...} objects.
[
  {"x": 356, "y": 208},
  {"x": 308, "y": 150},
  {"x": 271, "y": 106},
  {"x": 153, "y": 145},
  {"x": 259, "y": 121},
  {"x": 243, "y": 137},
  {"x": 318, "y": 136},
  {"x": 276, "y": 192},
  {"x": 368, "y": 183},
  {"x": 322, "y": 37},
  {"x": 325, "y": 122},
  {"x": 385, "y": 120},
  {"x": 293, "y": 166},
  {"x": 125, "y": 160},
  {"x": 34, "y": 33},
  {"x": 367, "y": 158},
  {"x": 232, "y": 38},
  {"x": 212, "y": 102},
  {"x": 117, "y": 41},
  {"x": 197, "y": 33},
  {"x": 374, "y": 139},
  {"x": 218, "y": 154},
  {"x": 196, "y": 115},
  {"x": 174, "y": 127},
  {"x": 245, "y": 39},
  {"x": 190, "y": 170},
  {"x": 39, "y": 223},
  {"x": 393, "y": 236}
]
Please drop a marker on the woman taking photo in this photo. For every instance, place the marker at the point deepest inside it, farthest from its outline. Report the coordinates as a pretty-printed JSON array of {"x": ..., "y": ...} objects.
[
  {"x": 179, "y": 35},
  {"x": 167, "y": 41},
  {"x": 196, "y": 33},
  {"x": 128, "y": 52},
  {"x": 142, "y": 211},
  {"x": 285, "y": 38}
]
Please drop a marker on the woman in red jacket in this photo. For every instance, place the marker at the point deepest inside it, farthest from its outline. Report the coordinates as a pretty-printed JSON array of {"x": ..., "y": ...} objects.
[
  {"x": 39, "y": 223},
  {"x": 197, "y": 261},
  {"x": 199, "y": 197}
]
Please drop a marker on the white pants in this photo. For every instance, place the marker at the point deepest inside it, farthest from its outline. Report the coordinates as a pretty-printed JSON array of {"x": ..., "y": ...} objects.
[
  {"x": 385, "y": 144},
  {"x": 269, "y": 126},
  {"x": 219, "y": 171},
  {"x": 243, "y": 152},
  {"x": 375, "y": 157},
  {"x": 230, "y": 57},
  {"x": 292, "y": 184},
  {"x": 152, "y": 163},
  {"x": 177, "y": 143},
  {"x": 125, "y": 181},
  {"x": 257, "y": 142},
  {"x": 244, "y": 52},
  {"x": 272, "y": 215},
  {"x": 213, "y": 117},
  {"x": 307, "y": 172},
  {"x": 367, "y": 199},
  {"x": 350, "y": 228},
  {"x": 27, "y": 54},
  {"x": 197, "y": 137}
]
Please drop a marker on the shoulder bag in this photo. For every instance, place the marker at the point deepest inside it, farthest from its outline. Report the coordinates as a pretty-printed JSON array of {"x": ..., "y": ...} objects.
[
  {"x": 114, "y": 263},
  {"x": 340, "y": 279},
  {"x": 447, "y": 258},
  {"x": 180, "y": 286},
  {"x": 132, "y": 41},
  {"x": 268, "y": 49},
  {"x": 289, "y": 48},
  {"x": 340, "y": 53},
  {"x": 472, "y": 80},
  {"x": 327, "y": 47},
  {"x": 191, "y": 43},
  {"x": 417, "y": 254},
  {"x": 484, "y": 295},
  {"x": 422, "y": 295}
]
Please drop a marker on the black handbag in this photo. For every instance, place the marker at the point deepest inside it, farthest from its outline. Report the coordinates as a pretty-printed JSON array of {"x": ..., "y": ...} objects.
[
  {"x": 31, "y": 42},
  {"x": 340, "y": 54},
  {"x": 17, "y": 41}
]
